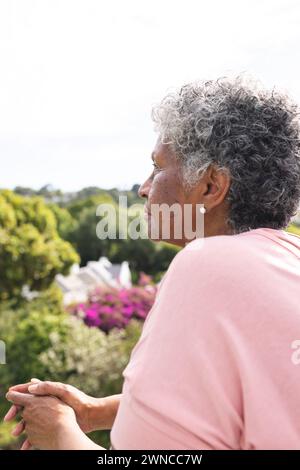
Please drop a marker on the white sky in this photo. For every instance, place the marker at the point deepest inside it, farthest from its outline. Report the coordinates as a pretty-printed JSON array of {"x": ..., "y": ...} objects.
[{"x": 78, "y": 77}]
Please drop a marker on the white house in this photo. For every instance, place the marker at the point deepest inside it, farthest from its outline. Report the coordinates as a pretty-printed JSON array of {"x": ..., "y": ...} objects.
[{"x": 81, "y": 281}]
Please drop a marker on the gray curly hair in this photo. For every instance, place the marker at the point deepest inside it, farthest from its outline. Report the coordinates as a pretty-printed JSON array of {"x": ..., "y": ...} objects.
[{"x": 243, "y": 129}]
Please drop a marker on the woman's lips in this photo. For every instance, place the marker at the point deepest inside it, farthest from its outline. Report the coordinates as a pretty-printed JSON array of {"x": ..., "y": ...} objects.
[{"x": 147, "y": 213}]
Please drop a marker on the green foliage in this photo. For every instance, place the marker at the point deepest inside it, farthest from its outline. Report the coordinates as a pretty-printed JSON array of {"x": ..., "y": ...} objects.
[
  {"x": 79, "y": 205},
  {"x": 43, "y": 341},
  {"x": 90, "y": 359},
  {"x": 26, "y": 331},
  {"x": 65, "y": 223},
  {"x": 31, "y": 251},
  {"x": 77, "y": 221},
  {"x": 36, "y": 238},
  {"x": 6, "y": 439},
  {"x": 293, "y": 228},
  {"x": 142, "y": 254}
]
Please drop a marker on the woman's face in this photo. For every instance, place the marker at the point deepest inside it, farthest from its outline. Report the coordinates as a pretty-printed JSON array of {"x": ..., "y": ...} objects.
[{"x": 165, "y": 187}]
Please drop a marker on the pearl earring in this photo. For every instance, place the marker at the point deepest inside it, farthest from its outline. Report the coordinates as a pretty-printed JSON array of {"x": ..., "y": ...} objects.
[{"x": 202, "y": 210}]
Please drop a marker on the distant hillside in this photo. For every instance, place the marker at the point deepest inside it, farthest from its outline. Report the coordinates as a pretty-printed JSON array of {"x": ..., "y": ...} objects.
[{"x": 64, "y": 198}]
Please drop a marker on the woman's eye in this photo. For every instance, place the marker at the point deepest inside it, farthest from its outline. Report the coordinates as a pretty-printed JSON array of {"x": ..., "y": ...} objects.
[{"x": 155, "y": 166}]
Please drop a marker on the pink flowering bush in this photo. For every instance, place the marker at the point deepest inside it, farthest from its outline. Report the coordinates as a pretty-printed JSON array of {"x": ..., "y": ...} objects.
[{"x": 114, "y": 308}]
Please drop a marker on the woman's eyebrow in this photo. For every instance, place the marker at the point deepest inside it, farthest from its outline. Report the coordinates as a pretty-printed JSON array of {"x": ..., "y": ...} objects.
[{"x": 152, "y": 156}]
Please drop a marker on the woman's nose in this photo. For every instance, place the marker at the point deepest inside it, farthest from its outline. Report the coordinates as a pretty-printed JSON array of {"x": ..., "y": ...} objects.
[{"x": 144, "y": 189}]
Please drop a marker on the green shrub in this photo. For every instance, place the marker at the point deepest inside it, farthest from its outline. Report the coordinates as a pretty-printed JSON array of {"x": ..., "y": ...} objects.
[
  {"x": 90, "y": 359},
  {"x": 293, "y": 228},
  {"x": 43, "y": 341},
  {"x": 31, "y": 251}
]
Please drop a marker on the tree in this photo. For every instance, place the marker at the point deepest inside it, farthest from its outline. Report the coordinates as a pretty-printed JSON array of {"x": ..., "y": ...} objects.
[
  {"x": 31, "y": 250},
  {"x": 77, "y": 206},
  {"x": 84, "y": 237},
  {"x": 66, "y": 224},
  {"x": 142, "y": 254}
]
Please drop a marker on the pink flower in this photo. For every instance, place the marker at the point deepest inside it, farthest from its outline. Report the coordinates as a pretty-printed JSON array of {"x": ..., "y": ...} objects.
[{"x": 114, "y": 308}]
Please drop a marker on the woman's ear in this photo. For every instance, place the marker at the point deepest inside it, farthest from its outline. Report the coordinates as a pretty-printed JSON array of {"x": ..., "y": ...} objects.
[{"x": 217, "y": 182}]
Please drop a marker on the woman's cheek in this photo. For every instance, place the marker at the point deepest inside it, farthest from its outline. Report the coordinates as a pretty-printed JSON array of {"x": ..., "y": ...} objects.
[{"x": 162, "y": 191}]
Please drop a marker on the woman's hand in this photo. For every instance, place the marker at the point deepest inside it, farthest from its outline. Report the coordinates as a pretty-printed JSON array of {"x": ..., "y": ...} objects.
[
  {"x": 91, "y": 413},
  {"x": 49, "y": 423}
]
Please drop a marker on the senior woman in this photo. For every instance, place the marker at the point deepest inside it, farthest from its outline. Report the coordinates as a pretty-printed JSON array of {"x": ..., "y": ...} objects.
[{"x": 215, "y": 366}]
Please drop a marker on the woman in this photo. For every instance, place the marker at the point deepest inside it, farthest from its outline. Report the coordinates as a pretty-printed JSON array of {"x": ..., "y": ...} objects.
[{"x": 215, "y": 366}]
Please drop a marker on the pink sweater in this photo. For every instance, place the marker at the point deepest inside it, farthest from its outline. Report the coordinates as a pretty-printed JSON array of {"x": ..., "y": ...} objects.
[{"x": 218, "y": 362}]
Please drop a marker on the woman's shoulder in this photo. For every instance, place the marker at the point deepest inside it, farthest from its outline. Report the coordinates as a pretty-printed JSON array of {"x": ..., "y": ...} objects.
[
  {"x": 221, "y": 251},
  {"x": 225, "y": 264}
]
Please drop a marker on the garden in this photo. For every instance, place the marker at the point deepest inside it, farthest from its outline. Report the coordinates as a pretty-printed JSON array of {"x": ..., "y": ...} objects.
[{"x": 87, "y": 344}]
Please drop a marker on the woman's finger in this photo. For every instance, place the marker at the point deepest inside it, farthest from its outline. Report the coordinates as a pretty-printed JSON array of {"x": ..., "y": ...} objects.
[
  {"x": 12, "y": 413},
  {"x": 23, "y": 387},
  {"x": 20, "y": 387},
  {"x": 18, "y": 429},
  {"x": 26, "y": 445}
]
